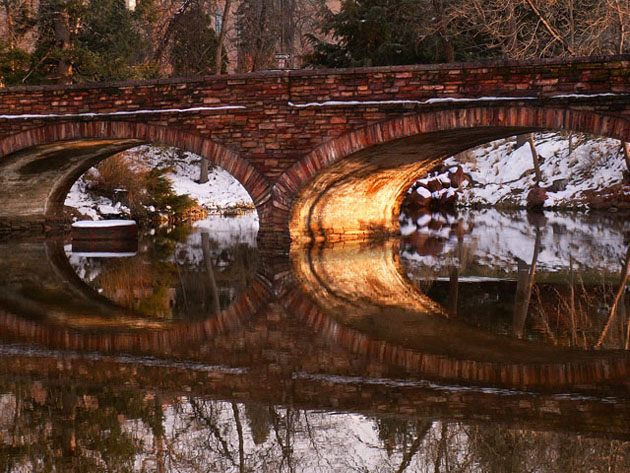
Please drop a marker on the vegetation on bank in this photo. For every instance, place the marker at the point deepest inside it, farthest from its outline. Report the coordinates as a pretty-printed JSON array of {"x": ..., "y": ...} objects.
[
  {"x": 156, "y": 183},
  {"x": 572, "y": 172},
  {"x": 140, "y": 192}
]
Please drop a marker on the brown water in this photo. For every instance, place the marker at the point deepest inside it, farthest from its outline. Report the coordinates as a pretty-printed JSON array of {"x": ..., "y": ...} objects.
[{"x": 477, "y": 342}]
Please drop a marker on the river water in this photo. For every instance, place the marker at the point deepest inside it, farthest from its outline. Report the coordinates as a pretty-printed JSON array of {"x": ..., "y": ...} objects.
[{"x": 478, "y": 341}]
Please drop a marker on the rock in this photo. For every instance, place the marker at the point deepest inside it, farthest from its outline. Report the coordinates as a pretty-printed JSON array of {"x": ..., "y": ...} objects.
[
  {"x": 558, "y": 185},
  {"x": 425, "y": 245},
  {"x": 457, "y": 176},
  {"x": 537, "y": 219},
  {"x": 420, "y": 198},
  {"x": 434, "y": 184},
  {"x": 448, "y": 198},
  {"x": 536, "y": 197}
]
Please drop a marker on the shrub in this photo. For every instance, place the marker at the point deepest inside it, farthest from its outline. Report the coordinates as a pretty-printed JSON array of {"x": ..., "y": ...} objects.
[
  {"x": 143, "y": 187},
  {"x": 161, "y": 192}
]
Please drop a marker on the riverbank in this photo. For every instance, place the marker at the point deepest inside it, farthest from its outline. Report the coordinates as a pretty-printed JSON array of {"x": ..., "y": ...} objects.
[
  {"x": 589, "y": 173},
  {"x": 220, "y": 195}
]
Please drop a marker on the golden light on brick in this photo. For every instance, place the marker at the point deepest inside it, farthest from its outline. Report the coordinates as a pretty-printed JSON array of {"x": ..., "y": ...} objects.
[
  {"x": 359, "y": 196},
  {"x": 356, "y": 281}
]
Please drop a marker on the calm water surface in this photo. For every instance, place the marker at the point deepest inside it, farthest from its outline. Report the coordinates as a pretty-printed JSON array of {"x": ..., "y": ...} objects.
[{"x": 476, "y": 342}]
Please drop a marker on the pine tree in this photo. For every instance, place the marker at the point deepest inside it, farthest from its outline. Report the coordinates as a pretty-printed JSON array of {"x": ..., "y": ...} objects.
[
  {"x": 373, "y": 33},
  {"x": 194, "y": 43},
  {"x": 81, "y": 40},
  {"x": 113, "y": 42}
]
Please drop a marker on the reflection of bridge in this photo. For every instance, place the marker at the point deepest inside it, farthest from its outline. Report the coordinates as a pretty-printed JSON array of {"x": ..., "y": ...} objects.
[
  {"x": 311, "y": 147},
  {"x": 259, "y": 348}
]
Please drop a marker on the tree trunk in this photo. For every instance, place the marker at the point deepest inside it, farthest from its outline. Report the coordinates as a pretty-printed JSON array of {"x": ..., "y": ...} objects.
[
  {"x": 572, "y": 303},
  {"x": 618, "y": 299},
  {"x": 625, "y": 147},
  {"x": 68, "y": 406},
  {"x": 453, "y": 291},
  {"x": 10, "y": 34},
  {"x": 532, "y": 147},
  {"x": 203, "y": 171},
  {"x": 212, "y": 282},
  {"x": 449, "y": 50},
  {"x": 241, "y": 445},
  {"x": 61, "y": 23},
  {"x": 218, "y": 58},
  {"x": 9, "y": 23}
]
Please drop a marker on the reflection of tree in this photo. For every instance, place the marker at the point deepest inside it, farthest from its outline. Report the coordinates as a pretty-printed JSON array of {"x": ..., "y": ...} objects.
[
  {"x": 212, "y": 282},
  {"x": 524, "y": 287},
  {"x": 402, "y": 436},
  {"x": 57, "y": 428},
  {"x": 63, "y": 428},
  {"x": 174, "y": 275},
  {"x": 575, "y": 305},
  {"x": 259, "y": 421},
  {"x": 618, "y": 306},
  {"x": 221, "y": 276}
]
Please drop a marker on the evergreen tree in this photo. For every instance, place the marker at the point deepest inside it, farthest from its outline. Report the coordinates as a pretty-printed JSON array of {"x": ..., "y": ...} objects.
[
  {"x": 96, "y": 40},
  {"x": 373, "y": 33},
  {"x": 113, "y": 43},
  {"x": 393, "y": 32},
  {"x": 194, "y": 43}
]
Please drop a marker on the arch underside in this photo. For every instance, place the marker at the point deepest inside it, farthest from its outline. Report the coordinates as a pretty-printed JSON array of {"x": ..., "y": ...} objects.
[
  {"x": 35, "y": 181},
  {"x": 39, "y": 165},
  {"x": 360, "y": 196},
  {"x": 347, "y": 188},
  {"x": 353, "y": 186}
]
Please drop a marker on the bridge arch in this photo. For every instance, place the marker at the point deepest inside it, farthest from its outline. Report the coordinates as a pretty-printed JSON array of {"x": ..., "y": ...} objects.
[
  {"x": 88, "y": 142},
  {"x": 353, "y": 186}
]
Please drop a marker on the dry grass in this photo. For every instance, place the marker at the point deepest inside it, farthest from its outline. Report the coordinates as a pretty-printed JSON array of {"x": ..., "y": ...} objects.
[
  {"x": 118, "y": 173},
  {"x": 122, "y": 179}
]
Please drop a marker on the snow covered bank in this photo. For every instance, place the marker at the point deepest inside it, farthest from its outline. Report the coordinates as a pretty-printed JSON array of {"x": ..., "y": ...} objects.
[
  {"x": 221, "y": 193},
  {"x": 502, "y": 174}
]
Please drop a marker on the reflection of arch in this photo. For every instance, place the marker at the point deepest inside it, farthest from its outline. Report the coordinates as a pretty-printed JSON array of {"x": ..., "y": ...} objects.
[
  {"x": 359, "y": 178},
  {"x": 45, "y": 266},
  {"x": 398, "y": 326},
  {"x": 123, "y": 135}
]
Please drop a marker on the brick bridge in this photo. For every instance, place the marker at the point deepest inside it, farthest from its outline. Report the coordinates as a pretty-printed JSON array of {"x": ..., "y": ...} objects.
[{"x": 310, "y": 147}]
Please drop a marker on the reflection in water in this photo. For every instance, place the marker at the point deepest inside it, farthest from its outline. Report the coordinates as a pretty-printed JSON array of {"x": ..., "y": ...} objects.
[
  {"x": 45, "y": 427},
  {"x": 420, "y": 355},
  {"x": 181, "y": 273},
  {"x": 558, "y": 279}
]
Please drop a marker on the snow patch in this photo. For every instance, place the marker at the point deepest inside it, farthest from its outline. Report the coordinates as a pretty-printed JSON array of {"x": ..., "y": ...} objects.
[
  {"x": 502, "y": 174},
  {"x": 122, "y": 113},
  {"x": 103, "y": 223},
  {"x": 221, "y": 192}
]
